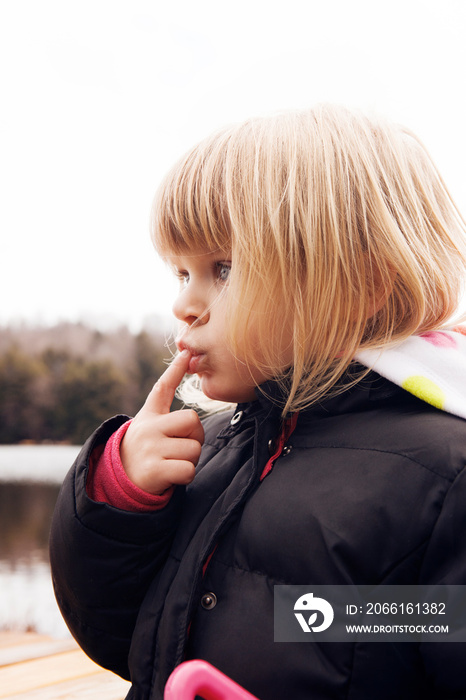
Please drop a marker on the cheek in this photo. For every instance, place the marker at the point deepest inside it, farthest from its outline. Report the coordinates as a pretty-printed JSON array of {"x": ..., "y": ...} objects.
[
  {"x": 258, "y": 346},
  {"x": 269, "y": 351}
]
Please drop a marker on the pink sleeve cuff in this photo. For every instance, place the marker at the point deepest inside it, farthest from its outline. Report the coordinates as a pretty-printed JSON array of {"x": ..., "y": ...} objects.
[{"x": 107, "y": 481}]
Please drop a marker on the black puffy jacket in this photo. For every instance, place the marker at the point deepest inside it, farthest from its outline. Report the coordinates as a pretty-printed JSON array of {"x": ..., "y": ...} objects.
[{"x": 370, "y": 490}]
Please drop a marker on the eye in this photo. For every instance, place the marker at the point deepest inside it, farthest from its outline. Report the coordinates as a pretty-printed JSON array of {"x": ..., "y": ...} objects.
[
  {"x": 182, "y": 276},
  {"x": 223, "y": 271}
]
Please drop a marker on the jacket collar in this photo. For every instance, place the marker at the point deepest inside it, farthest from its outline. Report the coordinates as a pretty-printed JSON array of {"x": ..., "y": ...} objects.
[
  {"x": 431, "y": 366},
  {"x": 366, "y": 393},
  {"x": 271, "y": 396}
]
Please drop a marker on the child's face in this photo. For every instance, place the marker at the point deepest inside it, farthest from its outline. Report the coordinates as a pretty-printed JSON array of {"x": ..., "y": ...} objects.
[{"x": 201, "y": 308}]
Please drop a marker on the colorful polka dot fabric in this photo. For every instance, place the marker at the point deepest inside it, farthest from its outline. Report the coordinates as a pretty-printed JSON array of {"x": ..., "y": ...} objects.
[{"x": 432, "y": 366}]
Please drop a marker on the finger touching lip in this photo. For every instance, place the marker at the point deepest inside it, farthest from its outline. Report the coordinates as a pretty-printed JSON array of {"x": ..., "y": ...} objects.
[
  {"x": 198, "y": 356},
  {"x": 196, "y": 363},
  {"x": 182, "y": 345}
]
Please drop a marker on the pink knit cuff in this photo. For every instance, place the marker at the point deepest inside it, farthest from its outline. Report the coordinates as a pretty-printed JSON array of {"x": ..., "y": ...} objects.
[{"x": 107, "y": 481}]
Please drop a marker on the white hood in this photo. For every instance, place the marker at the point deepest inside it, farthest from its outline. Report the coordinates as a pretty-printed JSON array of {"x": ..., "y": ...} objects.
[{"x": 431, "y": 366}]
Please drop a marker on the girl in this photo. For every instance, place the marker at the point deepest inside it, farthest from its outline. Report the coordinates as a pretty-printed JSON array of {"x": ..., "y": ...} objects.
[{"x": 320, "y": 260}]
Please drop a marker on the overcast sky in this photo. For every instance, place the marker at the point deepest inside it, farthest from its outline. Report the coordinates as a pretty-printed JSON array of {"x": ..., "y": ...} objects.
[{"x": 100, "y": 97}]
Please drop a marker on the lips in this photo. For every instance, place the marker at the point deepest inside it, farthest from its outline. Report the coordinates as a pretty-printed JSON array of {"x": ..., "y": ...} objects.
[
  {"x": 195, "y": 363},
  {"x": 197, "y": 356}
]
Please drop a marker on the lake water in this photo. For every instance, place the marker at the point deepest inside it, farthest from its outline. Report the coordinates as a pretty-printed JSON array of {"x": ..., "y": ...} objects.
[
  {"x": 30, "y": 478},
  {"x": 39, "y": 463}
]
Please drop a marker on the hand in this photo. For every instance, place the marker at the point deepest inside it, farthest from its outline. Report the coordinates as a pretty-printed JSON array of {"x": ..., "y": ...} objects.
[{"x": 160, "y": 448}]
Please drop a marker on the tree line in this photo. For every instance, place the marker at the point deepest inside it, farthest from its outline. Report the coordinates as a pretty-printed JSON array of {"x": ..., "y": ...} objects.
[{"x": 60, "y": 391}]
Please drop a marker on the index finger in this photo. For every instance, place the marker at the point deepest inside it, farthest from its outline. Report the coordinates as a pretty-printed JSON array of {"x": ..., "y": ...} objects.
[{"x": 163, "y": 392}]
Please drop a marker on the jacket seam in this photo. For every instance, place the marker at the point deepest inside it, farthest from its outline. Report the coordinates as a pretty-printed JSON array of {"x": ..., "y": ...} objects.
[
  {"x": 389, "y": 452},
  {"x": 274, "y": 580},
  {"x": 227, "y": 446},
  {"x": 441, "y": 509}
]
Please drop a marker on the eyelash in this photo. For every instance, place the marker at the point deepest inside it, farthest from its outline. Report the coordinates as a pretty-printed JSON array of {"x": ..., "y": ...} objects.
[
  {"x": 223, "y": 266},
  {"x": 183, "y": 275}
]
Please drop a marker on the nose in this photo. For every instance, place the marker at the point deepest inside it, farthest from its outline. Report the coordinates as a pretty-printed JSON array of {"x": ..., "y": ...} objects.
[{"x": 189, "y": 307}]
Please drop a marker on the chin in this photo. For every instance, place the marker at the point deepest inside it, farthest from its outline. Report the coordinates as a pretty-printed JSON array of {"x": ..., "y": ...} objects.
[{"x": 227, "y": 394}]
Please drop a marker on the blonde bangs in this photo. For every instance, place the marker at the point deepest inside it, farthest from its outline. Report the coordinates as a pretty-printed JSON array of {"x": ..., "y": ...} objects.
[
  {"x": 342, "y": 233},
  {"x": 189, "y": 210}
]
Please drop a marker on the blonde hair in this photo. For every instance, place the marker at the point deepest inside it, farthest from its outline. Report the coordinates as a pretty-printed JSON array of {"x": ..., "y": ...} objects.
[{"x": 339, "y": 220}]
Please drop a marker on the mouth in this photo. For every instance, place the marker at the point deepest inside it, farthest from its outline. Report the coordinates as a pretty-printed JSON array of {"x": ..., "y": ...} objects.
[
  {"x": 197, "y": 356},
  {"x": 196, "y": 364}
]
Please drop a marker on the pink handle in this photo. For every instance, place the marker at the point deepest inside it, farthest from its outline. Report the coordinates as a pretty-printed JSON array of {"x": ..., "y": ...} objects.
[{"x": 193, "y": 678}]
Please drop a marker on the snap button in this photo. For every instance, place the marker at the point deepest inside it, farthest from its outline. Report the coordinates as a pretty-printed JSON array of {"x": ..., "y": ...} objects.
[
  {"x": 286, "y": 450},
  {"x": 236, "y": 418},
  {"x": 209, "y": 601}
]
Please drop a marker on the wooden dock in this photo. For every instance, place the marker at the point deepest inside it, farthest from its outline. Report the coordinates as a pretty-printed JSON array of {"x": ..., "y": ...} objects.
[{"x": 36, "y": 667}]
